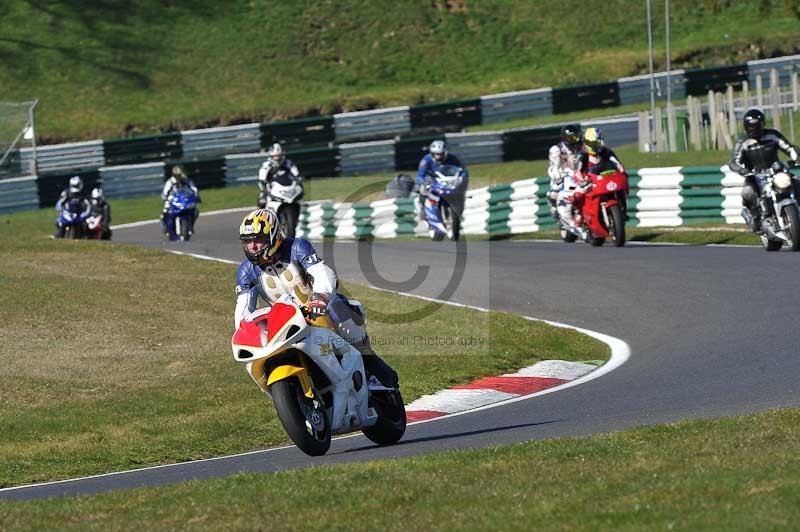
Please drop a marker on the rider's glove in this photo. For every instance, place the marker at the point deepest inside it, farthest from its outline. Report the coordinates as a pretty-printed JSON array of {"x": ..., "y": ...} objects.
[{"x": 316, "y": 307}]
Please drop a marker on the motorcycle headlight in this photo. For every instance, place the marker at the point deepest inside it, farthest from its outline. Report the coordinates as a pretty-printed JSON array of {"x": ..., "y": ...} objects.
[{"x": 782, "y": 180}]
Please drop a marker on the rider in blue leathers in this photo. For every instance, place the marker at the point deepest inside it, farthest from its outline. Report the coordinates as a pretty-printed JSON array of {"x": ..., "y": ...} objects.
[
  {"x": 433, "y": 161},
  {"x": 268, "y": 253}
]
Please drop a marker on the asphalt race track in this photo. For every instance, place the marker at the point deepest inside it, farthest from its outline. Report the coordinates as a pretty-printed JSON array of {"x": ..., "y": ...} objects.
[{"x": 712, "y": 332}]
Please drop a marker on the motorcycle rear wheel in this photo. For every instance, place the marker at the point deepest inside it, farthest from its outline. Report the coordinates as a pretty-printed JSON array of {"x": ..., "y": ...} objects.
[
  {"x": 617, "y": 228},
  {"x": 391, "y": 423},
  {"x": 299, "y": 416},
  {"x": 792, "y": 221}
]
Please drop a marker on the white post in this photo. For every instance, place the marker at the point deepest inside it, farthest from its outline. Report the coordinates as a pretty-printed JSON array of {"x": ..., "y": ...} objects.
[
  {"x": 795, "y": 99},
  {"x": 745, "y": 95},
  {"x": 666, "y": 38},
  {"x": 672, "y": 126},
  {"x": 644, "y": 132},
  {"x": 712, "y": 117}
]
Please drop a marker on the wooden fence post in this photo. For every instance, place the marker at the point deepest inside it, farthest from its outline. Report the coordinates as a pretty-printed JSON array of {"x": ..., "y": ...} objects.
[
  {"x": 775, "y": 98},
  {"x": 731, "y": 112},
  {"x": 672, "y": 126},
  {"x": 759, "y": 92}
]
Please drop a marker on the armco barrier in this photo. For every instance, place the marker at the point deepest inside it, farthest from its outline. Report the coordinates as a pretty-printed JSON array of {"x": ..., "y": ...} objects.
[
  {"x": 408, "y": 151},
  {"x": 659, "y": 197},
  {"x": 519, "y": 104},
  {"x": 529, "y": 143},
  {"x": 784, "y": 65},
  {"x": 372, "y": 125},
  {"x": 65, "y": 156},
  {"x": 205, "y": 174},
  {"x": 50, "y": 185},
  {"x": 206, "y": 143},
  {"x": 316, "y": 162},
  {"x": 701, "y": 80},
  {"x": 445, "y": 116},
  {"x": 139, "y": 150},
  {"x": 243, "y": 168},
  {"x": 298, "y": 134},
  {"x": 133, "y": 180},
  {"x": 476, "y": 148},
  {"x": 367, "y": 157},
  {"x": 580, "y": 97},
  {"x": 636, "y": 89},
  {"x": 18, "y": 194}
]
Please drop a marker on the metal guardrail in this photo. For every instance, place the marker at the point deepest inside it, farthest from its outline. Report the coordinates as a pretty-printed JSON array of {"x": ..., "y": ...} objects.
[
  {"x": 476, "y": 148},
  {"x": 519, "y": 104},
  {"x": 18, "y": 194},
  {"x": 133, "y": 180},
  {"x": 57, "y": 157},
  {"x": 205, "y": 143},
  {"x": 367, "y": 157},
  {"x": 636, "y": 89},
  {"x": 374, "y": 124}
]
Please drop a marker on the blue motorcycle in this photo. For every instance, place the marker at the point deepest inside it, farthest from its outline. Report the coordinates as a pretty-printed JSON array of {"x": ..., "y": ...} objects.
[
  {"x": 181, "y": 214},
  {"x": 444, "y": 202},
  {"x": 73, "y": 216}
]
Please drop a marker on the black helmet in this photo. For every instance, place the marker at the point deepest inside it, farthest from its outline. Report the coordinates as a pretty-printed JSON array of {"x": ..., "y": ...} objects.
[
  {"x": 753, "y": 123},
  {"x": 571, "y": 134}
]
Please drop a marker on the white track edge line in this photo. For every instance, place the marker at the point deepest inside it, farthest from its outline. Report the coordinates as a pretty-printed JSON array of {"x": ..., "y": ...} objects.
[{"x": 620, "y": 352}]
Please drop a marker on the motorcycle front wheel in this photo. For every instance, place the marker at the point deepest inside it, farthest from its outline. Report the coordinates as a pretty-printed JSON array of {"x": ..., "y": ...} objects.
[
  {"x": 792, "y": 222},
  {"x": 288, "y": 217},
  {"x": 617, "y": 228},
  {"x": 450, "y": 221},
  {"x": 567, "y": 236},
  {"x": 391, "y": 423},
  {"x": 185, "y": 224},
  {"x": 304, "y": 419}
]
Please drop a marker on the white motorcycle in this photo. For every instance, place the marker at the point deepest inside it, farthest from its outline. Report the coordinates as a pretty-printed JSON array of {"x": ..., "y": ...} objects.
[
  {"x": 779, "y": 212},
  {"x": 285, "y": 197},
  {"x": 315, "y": 377}
]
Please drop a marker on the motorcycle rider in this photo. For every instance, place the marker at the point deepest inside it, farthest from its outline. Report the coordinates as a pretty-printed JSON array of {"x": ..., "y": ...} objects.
[
  {"x": 73, "y": 191},
  {"x": 177, "y": 180},
  {"x": 100, "y": 207},
  {"x": 273, "y": 166},
  {"x": 563, "y": 158},
  {"x": 754, "y": 153},
  {"x": 268, "y": 253},
  {"x": 433, "y": 161},
  {"x": 595, "y": 157}
]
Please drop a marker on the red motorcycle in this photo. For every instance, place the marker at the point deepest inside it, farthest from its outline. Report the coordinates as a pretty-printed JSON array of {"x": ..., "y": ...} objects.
[{"x": 602, "y": 205}]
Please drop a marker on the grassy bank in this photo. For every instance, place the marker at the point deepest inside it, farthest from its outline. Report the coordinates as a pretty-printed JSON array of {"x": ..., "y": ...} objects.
[
  {"x": 729, "y": 474},
  {"x": 114, "y": 357},
  {"x": 102, "y": 70}
]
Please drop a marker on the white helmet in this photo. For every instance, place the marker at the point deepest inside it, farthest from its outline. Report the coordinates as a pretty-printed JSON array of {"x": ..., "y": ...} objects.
[
  {"x": 75, "y": 185},
  {"x": 97, "y": 194},
  {"x": 276, "y": 150},
  {"x": 438, "y": 147}
]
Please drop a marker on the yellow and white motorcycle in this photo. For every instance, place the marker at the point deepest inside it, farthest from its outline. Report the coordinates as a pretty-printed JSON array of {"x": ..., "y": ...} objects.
[{"x": 315, "y": 377}]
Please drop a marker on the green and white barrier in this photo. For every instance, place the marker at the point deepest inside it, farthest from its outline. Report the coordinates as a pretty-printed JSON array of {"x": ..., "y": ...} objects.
[{"x": 659, "y": 197}]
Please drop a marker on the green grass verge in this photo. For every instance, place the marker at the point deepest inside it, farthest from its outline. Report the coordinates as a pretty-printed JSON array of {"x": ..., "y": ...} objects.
[
  {"x": 729, "y": 474},
  {"x": 102, "y": 72},
  {"x": 114, "y": 357}
]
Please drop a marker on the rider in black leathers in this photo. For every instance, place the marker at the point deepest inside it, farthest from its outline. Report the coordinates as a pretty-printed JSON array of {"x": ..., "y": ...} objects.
[{"x": 754, "y": 153}]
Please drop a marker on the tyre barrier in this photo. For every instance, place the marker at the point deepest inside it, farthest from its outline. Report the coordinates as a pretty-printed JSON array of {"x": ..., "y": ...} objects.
[{"x": 659, "y": 197}]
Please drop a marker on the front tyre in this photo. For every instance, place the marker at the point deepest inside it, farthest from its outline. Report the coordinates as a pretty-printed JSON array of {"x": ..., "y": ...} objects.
[
  {"x": 391, "y": 423},
  {"x": 288, "y": 217},
  {"x": 450, "y": 220},
  {"x": 792, "y": 222},
  {"x": 597, "y": 241},
  {"x": 304, "y": 419},
  {"x": 568, "y": 236},
  {"x": 617, "y": 228}
]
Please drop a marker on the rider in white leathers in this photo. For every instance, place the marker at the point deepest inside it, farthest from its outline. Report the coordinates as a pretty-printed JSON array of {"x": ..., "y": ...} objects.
[{"x": 563, "y": 159}]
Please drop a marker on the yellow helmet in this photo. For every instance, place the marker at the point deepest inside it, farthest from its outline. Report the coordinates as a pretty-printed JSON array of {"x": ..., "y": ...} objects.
[
  {"x": 593, "y": 139},
  {"x": 261, "y": 225}
]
